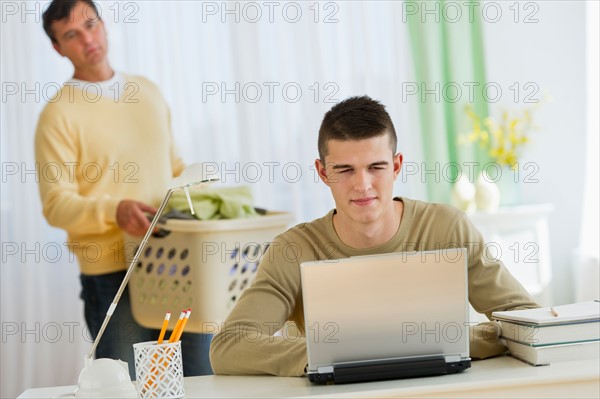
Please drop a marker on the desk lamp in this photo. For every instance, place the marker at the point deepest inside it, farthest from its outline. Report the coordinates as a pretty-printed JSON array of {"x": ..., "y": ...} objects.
[{"x": 108, "y": 377}]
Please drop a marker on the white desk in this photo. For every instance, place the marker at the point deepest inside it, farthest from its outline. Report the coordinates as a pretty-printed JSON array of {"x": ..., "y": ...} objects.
[{"x": 499, "y": 377}]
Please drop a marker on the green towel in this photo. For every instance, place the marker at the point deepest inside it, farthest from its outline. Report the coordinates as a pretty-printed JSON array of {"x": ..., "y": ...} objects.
[{"x": 221, "y": 203}]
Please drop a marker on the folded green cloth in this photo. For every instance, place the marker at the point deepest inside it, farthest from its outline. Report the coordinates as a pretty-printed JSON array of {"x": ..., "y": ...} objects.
[{"x": 221, "y": 203}]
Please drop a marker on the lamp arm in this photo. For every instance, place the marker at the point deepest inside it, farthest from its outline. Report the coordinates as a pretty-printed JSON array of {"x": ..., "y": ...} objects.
[{"x": 113, "y": 305}]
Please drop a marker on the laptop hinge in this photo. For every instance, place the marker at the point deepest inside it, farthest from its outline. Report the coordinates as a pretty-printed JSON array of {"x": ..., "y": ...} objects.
[
  {"x": 452, "y": 358},
  {"x": 389, "y": 370},
  {"x": 323, "y": 375},
  {"x": 325, "y": 369}
]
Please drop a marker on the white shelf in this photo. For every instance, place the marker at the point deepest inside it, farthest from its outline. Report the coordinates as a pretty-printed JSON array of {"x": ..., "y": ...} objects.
[{"x": 519, "y": 235}]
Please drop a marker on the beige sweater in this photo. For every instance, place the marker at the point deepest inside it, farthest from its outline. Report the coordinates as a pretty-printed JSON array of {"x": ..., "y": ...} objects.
[
  {"x": 246, "y": 344},
  {"x": 91, "y": 153}
]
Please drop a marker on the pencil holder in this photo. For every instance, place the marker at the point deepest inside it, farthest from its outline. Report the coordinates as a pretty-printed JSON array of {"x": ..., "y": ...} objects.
[{"x": 159, "y": 370}]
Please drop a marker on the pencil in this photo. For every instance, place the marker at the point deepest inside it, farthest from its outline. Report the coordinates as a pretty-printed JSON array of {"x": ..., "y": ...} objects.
[
  {"x": 554, "y": 312},
  {"x": 180, "y": 332},
  {"x": 174, "y": 332},
  {"x": 161, "y": 337},
  {"x": 163, "y": 329}
]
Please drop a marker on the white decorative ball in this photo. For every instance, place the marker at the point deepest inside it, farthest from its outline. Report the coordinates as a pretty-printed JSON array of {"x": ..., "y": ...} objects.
[
  {"x": 487, "y": 194},
  {"x": 463, "y": 194}
]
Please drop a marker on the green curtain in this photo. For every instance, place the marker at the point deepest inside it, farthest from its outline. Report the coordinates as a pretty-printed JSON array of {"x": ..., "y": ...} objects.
[{"x": 449, "y": 66}]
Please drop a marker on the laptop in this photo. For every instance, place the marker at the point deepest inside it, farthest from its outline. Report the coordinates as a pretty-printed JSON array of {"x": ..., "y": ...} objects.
[{"x": 386, "y": 316}]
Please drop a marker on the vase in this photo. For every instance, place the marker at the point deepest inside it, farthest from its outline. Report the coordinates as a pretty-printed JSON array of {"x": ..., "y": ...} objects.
[{"x": 509, "y": 186}]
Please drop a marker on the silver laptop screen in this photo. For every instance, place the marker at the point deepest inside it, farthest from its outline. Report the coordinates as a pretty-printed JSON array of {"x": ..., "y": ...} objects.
[{"x": 386, "y": 306}]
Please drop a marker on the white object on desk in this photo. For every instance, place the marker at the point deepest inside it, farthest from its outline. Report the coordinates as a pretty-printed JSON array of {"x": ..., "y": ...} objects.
[
  {"x": 519, "y": 235},
  {"x": 497, "y": 377},
  {"x": 105, "y": 378}
]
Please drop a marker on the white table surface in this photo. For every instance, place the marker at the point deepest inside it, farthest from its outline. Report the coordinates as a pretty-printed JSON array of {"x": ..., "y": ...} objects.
[{"x": 498, "y": 377}]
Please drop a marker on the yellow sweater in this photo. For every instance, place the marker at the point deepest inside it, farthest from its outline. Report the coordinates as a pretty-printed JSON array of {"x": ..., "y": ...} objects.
[
  {"x": 246, "y": 345},
  {"x": 91, "y": 153}
]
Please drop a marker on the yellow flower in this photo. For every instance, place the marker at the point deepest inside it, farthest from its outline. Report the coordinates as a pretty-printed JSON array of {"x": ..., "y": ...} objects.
[{"x": 503, "y": 140}]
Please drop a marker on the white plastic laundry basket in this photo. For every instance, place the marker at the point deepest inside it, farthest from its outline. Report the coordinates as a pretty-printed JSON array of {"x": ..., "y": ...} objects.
[{"x": 203, "y": 265}]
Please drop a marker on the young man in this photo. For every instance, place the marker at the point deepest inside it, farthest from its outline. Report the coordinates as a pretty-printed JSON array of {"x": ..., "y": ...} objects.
[
  {"x": 359, "y": 163},
  {"x": 105, "y": 147}
]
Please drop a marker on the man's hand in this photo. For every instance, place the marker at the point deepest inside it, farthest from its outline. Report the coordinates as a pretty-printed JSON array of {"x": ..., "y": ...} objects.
[{"x": 131, "y": 217}]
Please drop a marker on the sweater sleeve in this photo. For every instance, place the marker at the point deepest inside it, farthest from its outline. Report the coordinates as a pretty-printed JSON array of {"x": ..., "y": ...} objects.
[
  {"x": 491, "y": 288},
  {"x": 246, "y": 343},
  {"x": 57, "y": 159}
]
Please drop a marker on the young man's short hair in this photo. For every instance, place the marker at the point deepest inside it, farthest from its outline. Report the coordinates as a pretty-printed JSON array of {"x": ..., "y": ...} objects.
[
  {"x": 356, "y": 118},
  {"x": 61, "y": 9}
]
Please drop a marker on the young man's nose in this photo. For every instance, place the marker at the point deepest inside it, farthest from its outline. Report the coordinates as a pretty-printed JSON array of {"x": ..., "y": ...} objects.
[{"x": 361, "y": 181}]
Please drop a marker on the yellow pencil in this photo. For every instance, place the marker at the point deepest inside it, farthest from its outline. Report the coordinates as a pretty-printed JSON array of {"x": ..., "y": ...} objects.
[
  {"x": 163, "y": 329},
  {"x": 176, "y": 329},
  {"x": 180, "y": 332}
]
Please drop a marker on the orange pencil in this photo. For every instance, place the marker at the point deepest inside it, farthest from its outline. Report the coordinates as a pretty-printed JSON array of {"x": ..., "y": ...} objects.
[
  {"x": 163, "y": 329},
  {"x": 161, "y": 337},
  {"x": 174, "y": 332},
  {"x": 180, "y": 332}
]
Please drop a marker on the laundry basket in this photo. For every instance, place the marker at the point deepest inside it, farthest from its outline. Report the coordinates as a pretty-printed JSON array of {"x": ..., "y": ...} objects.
[{"x": 203, "y": 265}]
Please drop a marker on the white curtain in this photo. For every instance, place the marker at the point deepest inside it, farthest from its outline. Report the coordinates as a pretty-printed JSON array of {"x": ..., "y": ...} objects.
[
  {"x": 247, "y": 95},
  {"x": 587, "y": 260}
]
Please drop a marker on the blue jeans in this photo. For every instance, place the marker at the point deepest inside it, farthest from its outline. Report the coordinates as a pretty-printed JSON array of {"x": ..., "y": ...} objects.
[{"x": 98, "y": 292}]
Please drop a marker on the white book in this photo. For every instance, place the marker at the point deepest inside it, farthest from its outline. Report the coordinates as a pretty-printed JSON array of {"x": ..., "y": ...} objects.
[
  {"x": 548, "y": 354},
  {"x": 563, "y": 314},
  {"x": 536, "y": 335}
]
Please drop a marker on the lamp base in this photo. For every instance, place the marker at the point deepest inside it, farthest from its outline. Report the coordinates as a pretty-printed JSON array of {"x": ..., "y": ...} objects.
[{"x": 105, "y": 378}]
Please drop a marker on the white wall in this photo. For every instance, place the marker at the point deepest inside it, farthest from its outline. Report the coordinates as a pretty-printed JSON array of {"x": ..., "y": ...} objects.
[{"x": 549, "y": 53}]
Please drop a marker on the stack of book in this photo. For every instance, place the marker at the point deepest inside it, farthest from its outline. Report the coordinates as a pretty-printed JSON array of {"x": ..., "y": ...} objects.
[{"x": 553, "y": 334}]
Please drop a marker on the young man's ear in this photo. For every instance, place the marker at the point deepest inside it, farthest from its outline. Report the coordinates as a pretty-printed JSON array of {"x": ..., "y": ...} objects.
[
  {"x": 397, "y": 164},
  {"x": 321, "y": 170},
  {"x": 57, "y": 48}
]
